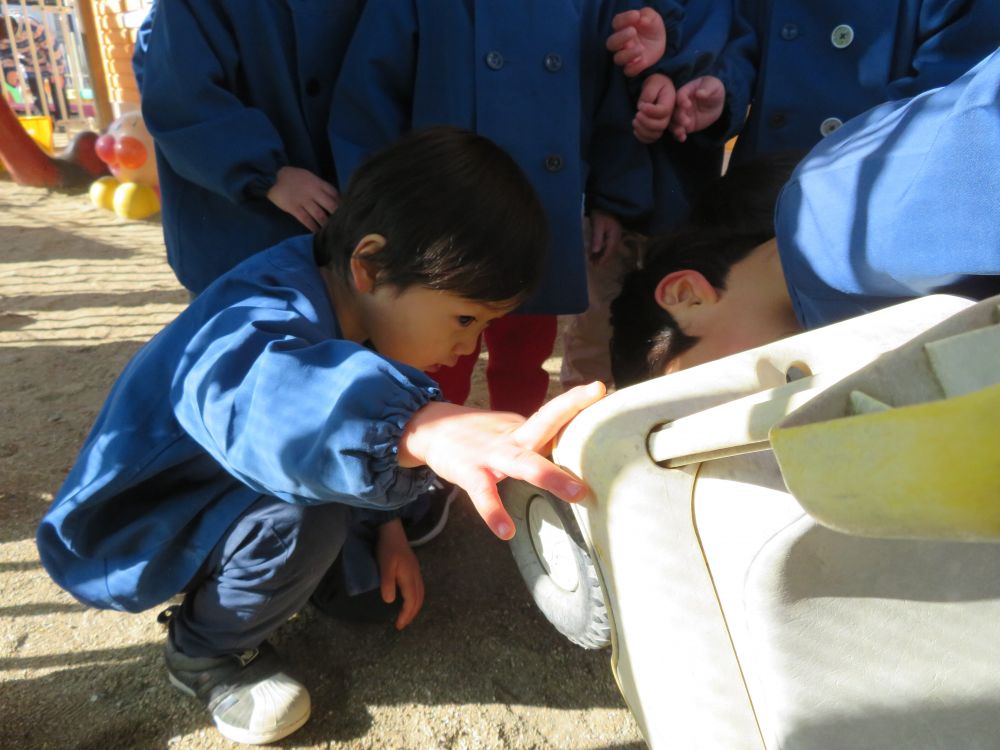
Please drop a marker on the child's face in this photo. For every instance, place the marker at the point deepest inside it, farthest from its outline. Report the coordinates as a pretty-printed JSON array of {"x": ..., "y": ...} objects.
[{"x": 425, "y": 328}]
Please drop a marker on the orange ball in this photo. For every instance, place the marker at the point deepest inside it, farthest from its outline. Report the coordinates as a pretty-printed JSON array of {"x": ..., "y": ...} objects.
[{"x": 130, "y": 152}]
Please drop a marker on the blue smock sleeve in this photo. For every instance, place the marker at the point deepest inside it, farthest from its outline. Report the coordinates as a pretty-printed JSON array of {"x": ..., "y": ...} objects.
[
  {"x": 736, "y": 66},
  {"x": 620, "y": 177},
  {"x": 697, "y": 32},
  {"x": 902, "y": 201},
  {"x": 373, "y": 98},
  {"x": 299, "y": 415},
  {"x": 203, "y": 129}
]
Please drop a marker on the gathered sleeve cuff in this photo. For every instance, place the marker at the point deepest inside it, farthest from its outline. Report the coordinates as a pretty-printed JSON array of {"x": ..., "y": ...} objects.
[{"x": 299, "y": 415}]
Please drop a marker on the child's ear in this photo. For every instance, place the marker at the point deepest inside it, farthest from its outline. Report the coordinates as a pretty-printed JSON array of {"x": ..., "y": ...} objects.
[
  {"x": 364, "y": 270},
  {"x": 680, "y": 291}
]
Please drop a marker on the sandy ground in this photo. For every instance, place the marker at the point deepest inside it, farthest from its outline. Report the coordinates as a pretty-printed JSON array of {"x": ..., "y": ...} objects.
[{"x": 80, "y": 290}]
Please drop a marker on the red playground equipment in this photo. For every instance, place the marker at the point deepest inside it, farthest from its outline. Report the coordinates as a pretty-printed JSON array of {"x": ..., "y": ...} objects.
[{"x": 29, "y": 165}]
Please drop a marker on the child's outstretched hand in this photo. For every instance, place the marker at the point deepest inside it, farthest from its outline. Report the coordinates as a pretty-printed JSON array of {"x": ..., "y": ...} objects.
[
  {"x": 398, "y": 567},
  {"x": 475, "y": 449},
  {"x": 305, "y": 196},
  {"x": 656, "y": 107},
  {"x": 699, "y": 104},
  {"x": 639, "y": 40}
]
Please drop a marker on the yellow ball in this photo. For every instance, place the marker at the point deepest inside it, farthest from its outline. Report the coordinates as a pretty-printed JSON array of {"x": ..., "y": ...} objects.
[
  {"x": 102, "y": 192},
  {"x": 135, "y": 201}
]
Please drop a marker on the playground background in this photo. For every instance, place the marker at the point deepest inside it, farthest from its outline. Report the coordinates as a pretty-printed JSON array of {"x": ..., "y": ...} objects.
[{"x": 80, "y": 290}]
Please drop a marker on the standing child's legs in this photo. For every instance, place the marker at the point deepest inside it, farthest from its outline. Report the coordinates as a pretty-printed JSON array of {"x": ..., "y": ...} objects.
[
  {"x": 518, "y": 346},
  {"x": 261, "y": 573},
  {"x": 587, "y": 337}
]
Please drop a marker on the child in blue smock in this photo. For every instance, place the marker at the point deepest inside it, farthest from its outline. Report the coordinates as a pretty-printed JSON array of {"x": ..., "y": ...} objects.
[
  {"x": 238, "y": 447},
  {"x": 694, "y": 31},
  {"x": 901, "y": 202},
  {"x": 535, "y": 78},
  {"x": 236, "y": 94},
  {"x": 805, "y": 68}
]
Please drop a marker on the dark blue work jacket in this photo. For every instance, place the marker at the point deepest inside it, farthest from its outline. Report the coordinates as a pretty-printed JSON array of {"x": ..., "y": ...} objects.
[
  {"x": 534, "y": 77},
  {"x": 250, "y": 391},
  {"x": 807, "y": 66},
  {"x": 232, "y": 91}
]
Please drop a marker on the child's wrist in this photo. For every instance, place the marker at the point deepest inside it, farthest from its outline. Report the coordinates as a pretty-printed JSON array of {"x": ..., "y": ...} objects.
[
  {"x": 391, "y": 532},
  {"x": 414, "y": 442}
]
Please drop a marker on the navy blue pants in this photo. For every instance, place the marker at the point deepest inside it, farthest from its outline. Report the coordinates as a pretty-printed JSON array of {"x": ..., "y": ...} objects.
[
  {"x": 261, "y": 573},
  {"x": 267, "y": 565}
]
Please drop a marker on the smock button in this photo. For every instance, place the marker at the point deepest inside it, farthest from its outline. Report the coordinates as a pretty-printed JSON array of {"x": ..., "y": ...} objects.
[
  {"x": 553, "y": 63},
  {"x": 777, "y": 120},
  {"x": 312, "y": 87},
  {"x": 494, "y": 60},
  {"x": 553, "y": 162},
  {"x": 789, "y": 32},
  {"x": 829, "y": 125},
  {"x": 842, "y": 36}
]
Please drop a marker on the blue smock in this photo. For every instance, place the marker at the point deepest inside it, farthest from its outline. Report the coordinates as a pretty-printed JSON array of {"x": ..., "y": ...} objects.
[
  {"x": 900, "y": 202},
  {"x": 533, "y": 77},
  {"x": 232, "y": 91},
  {"x": 249, "y": 392},
  {"x": 809, "y": 66}
]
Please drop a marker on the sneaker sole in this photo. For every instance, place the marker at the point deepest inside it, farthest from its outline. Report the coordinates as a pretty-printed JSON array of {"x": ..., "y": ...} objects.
[
  {"x": 442, "y": 521},
  {"x": 245, "y": 736}
]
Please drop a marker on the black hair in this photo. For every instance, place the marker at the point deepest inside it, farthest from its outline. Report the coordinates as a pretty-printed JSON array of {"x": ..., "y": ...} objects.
[
  {"x": 734, "y": 215},
  {"x": 457, "y": 213}
]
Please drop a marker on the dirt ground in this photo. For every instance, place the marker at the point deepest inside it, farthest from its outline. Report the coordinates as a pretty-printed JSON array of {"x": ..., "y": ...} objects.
[{"x": 80, "y": 290}]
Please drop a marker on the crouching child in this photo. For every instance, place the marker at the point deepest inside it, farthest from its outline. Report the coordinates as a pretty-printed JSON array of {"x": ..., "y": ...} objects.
[{"x": 237, "y": 444}]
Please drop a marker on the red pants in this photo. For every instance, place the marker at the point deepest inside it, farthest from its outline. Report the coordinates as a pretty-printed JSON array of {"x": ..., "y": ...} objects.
[{"x": 517, "y": 345}]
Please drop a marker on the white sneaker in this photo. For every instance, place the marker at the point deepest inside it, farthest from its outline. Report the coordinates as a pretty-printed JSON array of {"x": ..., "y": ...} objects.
[{"x": 249, "y": 696}]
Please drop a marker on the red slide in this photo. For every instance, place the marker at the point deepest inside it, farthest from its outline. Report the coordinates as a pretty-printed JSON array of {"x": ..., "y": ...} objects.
[{"x": 29, "y": 165}]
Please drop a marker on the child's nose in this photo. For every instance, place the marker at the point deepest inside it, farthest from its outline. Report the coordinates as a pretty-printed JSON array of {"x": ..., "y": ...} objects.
[{"x": 467, "y": 345}]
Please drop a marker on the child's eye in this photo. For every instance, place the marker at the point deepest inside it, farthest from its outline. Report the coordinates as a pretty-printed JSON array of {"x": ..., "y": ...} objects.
[{"x": 466, "y": 320}]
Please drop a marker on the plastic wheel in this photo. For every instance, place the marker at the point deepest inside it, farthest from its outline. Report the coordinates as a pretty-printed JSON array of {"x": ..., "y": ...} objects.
[{"x": 553, "y": 560}]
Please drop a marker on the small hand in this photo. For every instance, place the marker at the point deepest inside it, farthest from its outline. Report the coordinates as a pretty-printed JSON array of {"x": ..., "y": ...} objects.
[
  {"x": 605, "y": 235},
  {"x": 699, "y": 104},
  {"x": 398, "y": 566},
  {"x": 656, "y": 107},
  {"x": 475, "y": 449},
  {"x": 305, "y": 196},
  {"x": 639, "y": 40}
]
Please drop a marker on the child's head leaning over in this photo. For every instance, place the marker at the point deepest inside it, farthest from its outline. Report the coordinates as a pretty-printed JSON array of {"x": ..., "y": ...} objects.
[
  {"x": 713, "y": 288},
  {"x": 436, "y": 236}
]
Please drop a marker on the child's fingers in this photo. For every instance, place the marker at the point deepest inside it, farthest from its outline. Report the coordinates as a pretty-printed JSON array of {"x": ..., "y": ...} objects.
[
  {"x": 528, "y": 466},
  {"x": 413, "y": 600},
  {"x": 625, "y": 18},
  {"x": 634, "y": 67},
  {"x": 679, "y": 133},
  {"x": 387, "y": 585},
  {"x": 654, "y": 115},
  {"x": 645, "y": 135},
  {"x": 630, "y": 61},
  {"x": 305, "y": 219},
  {"x": 318, "y": 214},
  {"x": 542, "y": 426},
  {"x": 621, "y": 40},
  {"x": 683, "y": 119},
  {"x": 656, "y": 109},
  {"x": 482, "y": 491},
  {"x": 326, "y": 201}
]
